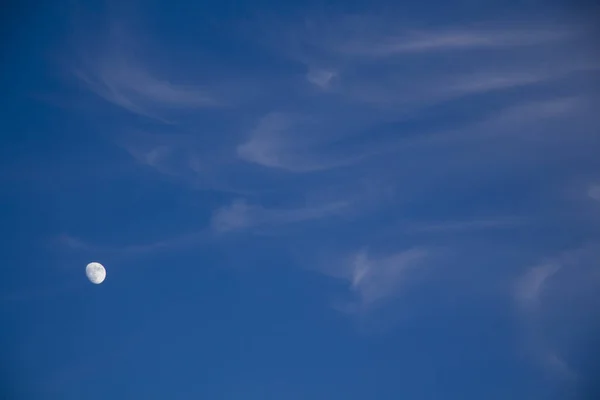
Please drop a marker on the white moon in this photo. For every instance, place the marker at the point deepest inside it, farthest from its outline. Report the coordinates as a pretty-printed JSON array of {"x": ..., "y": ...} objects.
[{"x": 95, "y": 272}]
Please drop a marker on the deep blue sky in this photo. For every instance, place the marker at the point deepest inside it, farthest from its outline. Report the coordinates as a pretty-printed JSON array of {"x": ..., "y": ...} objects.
[{"x": 299, "y": 200}]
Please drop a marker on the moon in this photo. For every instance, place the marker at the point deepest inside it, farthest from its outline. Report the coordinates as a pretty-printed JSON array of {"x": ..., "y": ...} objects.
[{"x": 95, "y": 272}]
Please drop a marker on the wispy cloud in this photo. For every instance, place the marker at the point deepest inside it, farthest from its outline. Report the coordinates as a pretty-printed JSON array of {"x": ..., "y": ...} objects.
[
  {"x": 271, "y": 137},
  {"x": 557, "y": 365},
  {"x": 594, "y": 192},
  {"x": 469, "y": 225},
  {"x": 130, "y": 86},
  {"x": 117, "y": 72},
  {"x": 451, "y": 39},
  {"x": 577, "y": 270},
  {"x": 528, "y": 294},
  {"x": 480, "y": 82},
  {"x": 425, "y": 90},
  {"x": 539, "y": 111},
  {"x": 569, "y": 281},
  {"x": 472, "y": 76},
  {"x": 240, "y": 215},
  {"x": 320, "y": 77},
  {"x": 155, "y": 157},
  {"x": 530, "y": 286},
  {"x": 378, "y": 61},
  {"x": 518, "y": 126},
  {"x": 72, "y": 242},
  {"x": 375, "y": 279},
  {"x": 79, "y": 245},
  {"x": 185, "y": 159},
  {"x": 377, "y": 110},
  {"x": 292, "y": 143}
]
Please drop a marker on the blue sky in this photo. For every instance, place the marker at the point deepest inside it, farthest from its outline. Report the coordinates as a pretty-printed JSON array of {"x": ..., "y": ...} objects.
[{"x": 300, "y": 200}]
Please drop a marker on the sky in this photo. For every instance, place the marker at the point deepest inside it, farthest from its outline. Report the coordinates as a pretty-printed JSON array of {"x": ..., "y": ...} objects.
[{"x": 300, "y": 200}]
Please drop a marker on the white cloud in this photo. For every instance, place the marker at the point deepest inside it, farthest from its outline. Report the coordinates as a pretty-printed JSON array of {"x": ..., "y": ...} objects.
[
  {"x": 531, "y": 285},
  {"x": 471, "y": 225},
  {"x": 594, "y": 192},
  {"x": 557, "y": 302},
  {"x": 154, "y": 157},
  {"x": 240, "y": 215},
  {"x": 185, "y": 159},
  {"x": 540, "y": 110},
  {"x": 557, "y": 365},
  {"x": 320, "y": 77},
  {"x": 379, "y": 60},
  {"x": 124, "y": 249},
  {"x": 73, "y": 243},
  {"x": 375, "y": 279},
  {"x": 578, "y": 274},
  {"x": 418, "y": 89},
  {"x": 291, "y": 143},
  {"x": 381, "y": 43},
  {"x": 116, "y": 71},
  {"x": 517, "y": 123},
  {"x": 270, "y": 137},
  {"x": 487, "y": 82},
  {"x": 132, "y": 87},
  {"x": 528, "y": 294}
]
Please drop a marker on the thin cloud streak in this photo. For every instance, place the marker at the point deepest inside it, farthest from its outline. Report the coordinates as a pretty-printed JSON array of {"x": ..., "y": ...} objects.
[
  {"x": 594, "y": 192},
  {"x": 115, "y": 72},
  {"x": 369, "y": 38},
  {"x": 77, "y": 244},
  {"x": 290, "y": 143},
  {"x": 358, "y": 49},
  {"x": 516, "y": 123},
  {"x": 578, "y": 272},
  {"x": 426, "y": 90},
  {"x": 472, "y": 225},
  {"x": 374, "y": 280},
  {"x": 320, "y": 77},
  {"x": 530, "y": 287},
  {"x": 242, "y": 216},
  {"x": 133, "y": 88},
  {"x": 569, "y": 281}
]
